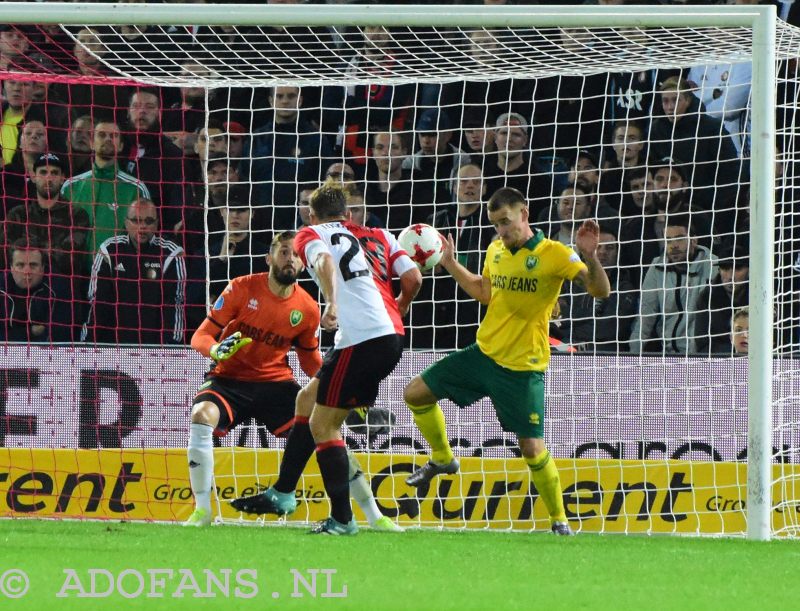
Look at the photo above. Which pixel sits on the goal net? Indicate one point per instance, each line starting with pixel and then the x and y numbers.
pixel 203 141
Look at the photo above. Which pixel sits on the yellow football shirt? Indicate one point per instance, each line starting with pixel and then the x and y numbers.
pixel 526 283
pixel 9 133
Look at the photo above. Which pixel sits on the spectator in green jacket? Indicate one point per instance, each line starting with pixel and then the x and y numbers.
pixel 105 191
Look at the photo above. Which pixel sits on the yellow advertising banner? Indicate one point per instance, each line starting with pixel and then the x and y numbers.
pixel 599 495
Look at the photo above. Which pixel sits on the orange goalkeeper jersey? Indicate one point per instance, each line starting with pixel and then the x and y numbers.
pixel 275 325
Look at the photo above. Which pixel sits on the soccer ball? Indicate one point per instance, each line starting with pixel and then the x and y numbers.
pixel 423 244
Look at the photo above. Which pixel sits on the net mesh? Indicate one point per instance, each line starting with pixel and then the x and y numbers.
pixel 227 130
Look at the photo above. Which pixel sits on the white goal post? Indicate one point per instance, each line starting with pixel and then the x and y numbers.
pixel 751 31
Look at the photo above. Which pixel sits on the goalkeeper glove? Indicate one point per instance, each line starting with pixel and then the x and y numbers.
pixel 229 346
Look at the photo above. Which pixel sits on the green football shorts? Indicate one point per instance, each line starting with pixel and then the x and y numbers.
pixel 468 375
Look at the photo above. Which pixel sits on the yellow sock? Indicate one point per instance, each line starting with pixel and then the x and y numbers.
pixel 430 422
pixel 548 483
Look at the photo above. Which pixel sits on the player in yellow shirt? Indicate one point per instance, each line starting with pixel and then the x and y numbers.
pixel 522 277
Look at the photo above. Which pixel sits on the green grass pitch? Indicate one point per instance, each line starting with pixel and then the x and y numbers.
pixel 416 570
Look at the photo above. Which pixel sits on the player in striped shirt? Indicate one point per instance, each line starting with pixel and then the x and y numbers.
pixel 353 266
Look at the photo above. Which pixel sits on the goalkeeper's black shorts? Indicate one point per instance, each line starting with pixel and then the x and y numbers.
pixel 269 403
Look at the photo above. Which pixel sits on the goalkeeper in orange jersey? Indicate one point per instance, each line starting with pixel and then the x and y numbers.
pixel 521 280
pixel 260 317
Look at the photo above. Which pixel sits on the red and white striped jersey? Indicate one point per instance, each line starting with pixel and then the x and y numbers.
pixel 366 259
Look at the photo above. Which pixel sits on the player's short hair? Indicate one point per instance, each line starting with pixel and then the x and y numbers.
pixel 329 201
pixel 279 238
pixel 506 196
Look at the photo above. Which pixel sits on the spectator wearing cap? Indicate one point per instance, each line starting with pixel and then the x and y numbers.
pixel 34 307
pixel 61 230
pixel 105 191
pixel 603 325
pixel 285 152
pixel 512 164
pixel 435 162
pixel 154 159
pixel 671 289
pixel 727 292
pixel 684 132
pixel 137 290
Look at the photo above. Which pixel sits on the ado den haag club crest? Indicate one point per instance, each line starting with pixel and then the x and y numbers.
pixel 531 262
pixel 295 317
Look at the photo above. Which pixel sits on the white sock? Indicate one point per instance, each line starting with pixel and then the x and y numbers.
pixel 361 491
pixel 201 464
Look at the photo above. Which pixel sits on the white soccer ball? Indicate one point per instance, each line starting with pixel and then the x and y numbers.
pixel 423 244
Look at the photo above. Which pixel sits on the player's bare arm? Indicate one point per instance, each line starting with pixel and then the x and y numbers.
pixel 477 286
pixel 594 279
pixel 326 272
pixel 410 283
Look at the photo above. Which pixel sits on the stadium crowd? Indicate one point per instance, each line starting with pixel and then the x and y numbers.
pixel 125 210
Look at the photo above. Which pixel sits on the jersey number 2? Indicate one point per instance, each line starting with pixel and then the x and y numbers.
pixel 347 257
